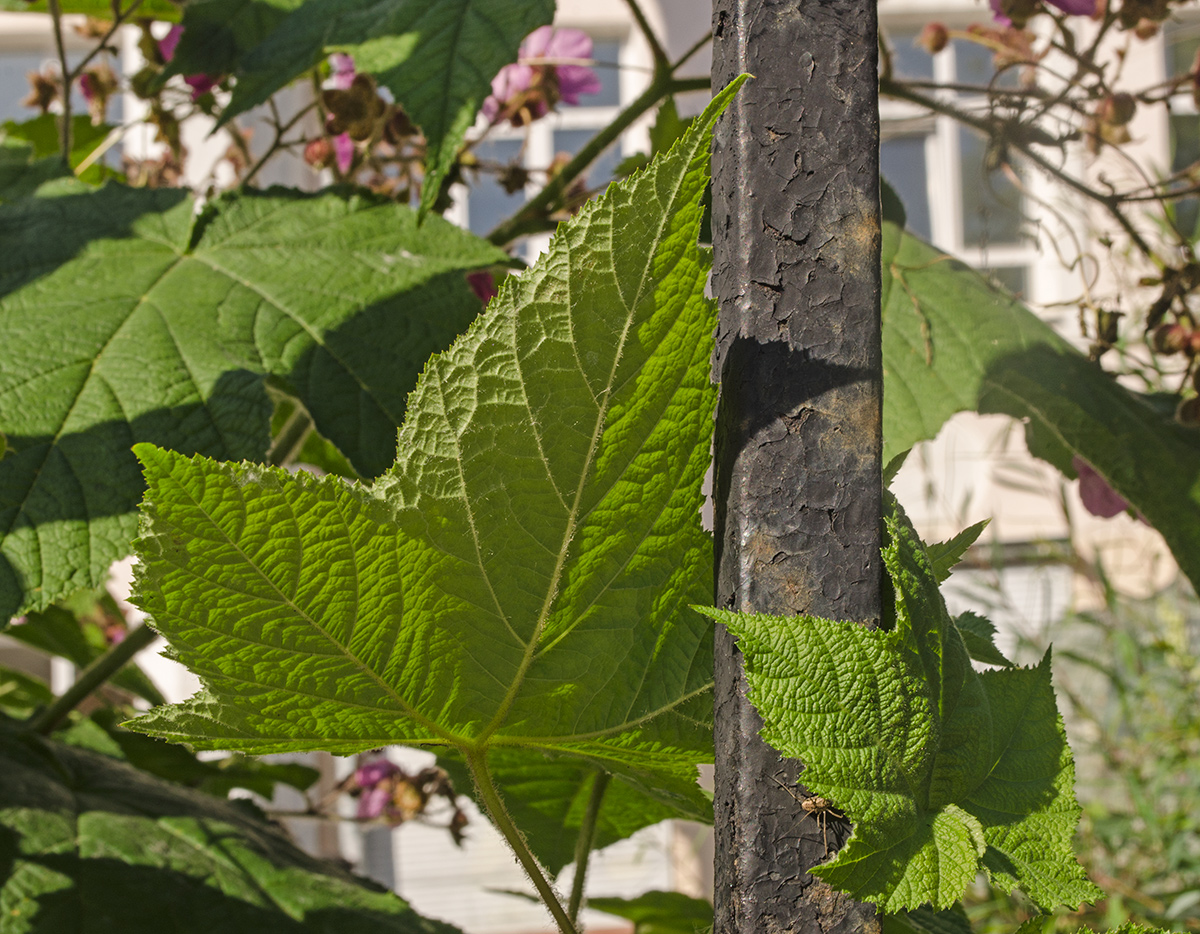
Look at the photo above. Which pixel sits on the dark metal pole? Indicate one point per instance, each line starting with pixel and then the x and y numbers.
pixel 796 270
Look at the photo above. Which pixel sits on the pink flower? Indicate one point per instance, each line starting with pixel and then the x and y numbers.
pixel 373 773
pixel 1098 497
pixel 168 43
pixel 199 83
pixel 537 81
pixel 1001 9
pixel 483 285
pixel 373 802
pixel 343 152
pixel 342 67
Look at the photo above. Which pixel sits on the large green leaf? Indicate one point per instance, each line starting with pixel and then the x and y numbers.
pixel 21 172
pixel 437 57
pixel 100 9
pixel 521 577
pixel 660 912
pixel 942 769
pixel 41 133
pixel 126 317
pixel 952 343
pixel 548 798
pixel 218 34
pixel 90 844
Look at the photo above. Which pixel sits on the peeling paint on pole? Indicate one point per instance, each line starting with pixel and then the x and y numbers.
pixel 796 270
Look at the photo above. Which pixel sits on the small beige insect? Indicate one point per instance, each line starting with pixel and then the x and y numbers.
pixel 818 808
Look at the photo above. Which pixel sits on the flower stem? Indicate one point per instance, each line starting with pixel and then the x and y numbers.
pixel 530 218
pixel 99 671
pixel 486 785
pixel 64 127
pixel 585 842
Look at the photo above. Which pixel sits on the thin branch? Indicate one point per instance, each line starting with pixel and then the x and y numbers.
pixel 64 127
pixel 118 22
pixel 486 785
pixel 662 64
pixel 584 843
pixel 1109 201
pixel 277 143
pixel 696 47
pixel 529 218
pixel 92 677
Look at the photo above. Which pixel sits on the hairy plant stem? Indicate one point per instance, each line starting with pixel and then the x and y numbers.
pixel 118 22
pixel 584 844
pixel 490 795
pixel 529 219
pixel 281 130
pixel 290 440
pixel 64 126
pixel 661 62
pixel 92 677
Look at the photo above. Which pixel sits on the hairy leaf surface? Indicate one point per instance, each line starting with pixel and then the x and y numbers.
pixel 125 317
pixel 953 343
pixel 437 57
pixel 91 844
pixel 942 769
pixel 522 575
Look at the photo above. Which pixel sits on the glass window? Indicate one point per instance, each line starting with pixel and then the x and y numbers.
pixel 1013 278
pixel 601 172
pixel 607 55
pixel 1185 151
pixel 991 203
pixel 909 60
pixel 902 163
pixel 1180 41
pixel 14 83
pixel 975 64
pixel 488 203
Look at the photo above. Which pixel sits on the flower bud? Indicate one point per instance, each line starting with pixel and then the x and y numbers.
pixel 1170 338
pixel 933 38
pixel 1117 109
pixel 1188 412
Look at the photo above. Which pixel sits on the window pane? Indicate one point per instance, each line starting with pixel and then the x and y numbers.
pixel 975 64
pixel 909 60
pixel 607 54
pixel 1180 41
pixel 1185 150
pixel 601 172
pixel 14 87
pixel 1013 278
pixel 991 204
pixel 902 163
pixel 488 203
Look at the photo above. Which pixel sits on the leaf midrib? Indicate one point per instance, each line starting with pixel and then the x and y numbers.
pixel 530 651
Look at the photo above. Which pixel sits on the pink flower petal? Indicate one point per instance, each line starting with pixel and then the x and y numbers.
pixel 1098 497
pixel 574 80
pixel 343 70
pixel 372 773
pixel 1075 7
pixel 536 43
pixel 200 84
pixel 343 152
pixel 373 803
pixel 168 43
pixel 483 285
pixel 86 89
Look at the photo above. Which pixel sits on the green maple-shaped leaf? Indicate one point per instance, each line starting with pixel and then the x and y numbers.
pixel 942 769
pixel 127 317
pixel 437 57
pixel 522 575
pixel 91 844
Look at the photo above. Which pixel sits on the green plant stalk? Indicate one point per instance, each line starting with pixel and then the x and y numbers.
pixel 64 127
pixel 486 785
pixel 585 842
pixel 92 677
pixel 291 438
pixel 527 220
